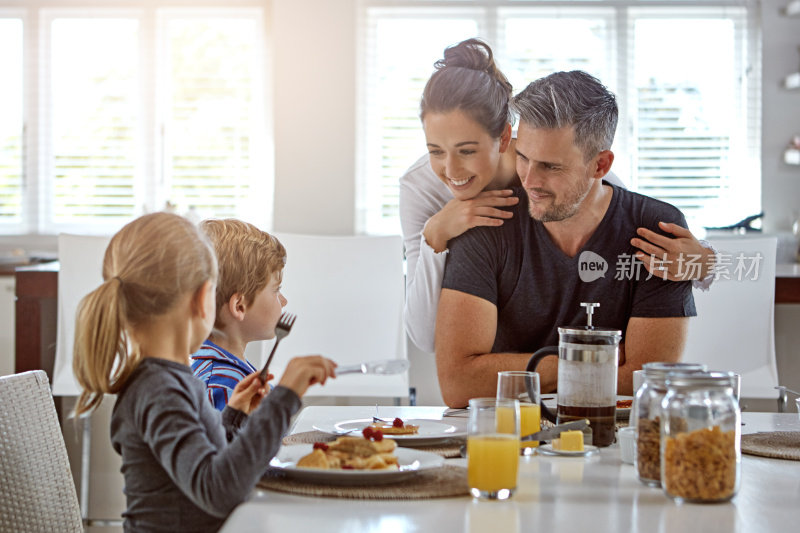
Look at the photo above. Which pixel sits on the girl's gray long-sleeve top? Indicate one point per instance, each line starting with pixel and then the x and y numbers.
pixel 180 472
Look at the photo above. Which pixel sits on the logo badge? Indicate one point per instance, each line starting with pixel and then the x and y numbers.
pixel 591 267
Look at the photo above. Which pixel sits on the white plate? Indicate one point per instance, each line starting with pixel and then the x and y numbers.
pixel 430 431
pixel 547 449
pixel 410 462
pixel 550 400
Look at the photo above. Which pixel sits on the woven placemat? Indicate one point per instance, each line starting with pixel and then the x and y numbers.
pixel 445 482
pixel 448 448
pixel 776 444
pixel 308 437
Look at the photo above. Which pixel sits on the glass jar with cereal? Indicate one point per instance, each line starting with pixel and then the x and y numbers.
pixel 700 437
pixel 646 418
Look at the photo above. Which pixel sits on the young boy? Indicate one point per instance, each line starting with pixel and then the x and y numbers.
pixel 249 303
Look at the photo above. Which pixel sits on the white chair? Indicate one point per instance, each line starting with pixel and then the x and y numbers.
pixel 37 492
pixel 734 329
pixel 347 293
pixel 80 272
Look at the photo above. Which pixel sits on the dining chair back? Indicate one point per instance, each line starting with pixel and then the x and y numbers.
pixel 80 272
pixel 37 492
pixel 347 293
pixel 734 328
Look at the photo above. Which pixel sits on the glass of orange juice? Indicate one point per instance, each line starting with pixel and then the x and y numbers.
pixel 493 447
pixel 523 386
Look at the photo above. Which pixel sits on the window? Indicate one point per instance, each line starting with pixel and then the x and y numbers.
pixel 686 79
pixel 128 111
pixel 11 123
pixel 694 138
pixel 91 161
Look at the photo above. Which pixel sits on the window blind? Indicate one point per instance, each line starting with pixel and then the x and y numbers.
pixel 531 44
pixel 94 134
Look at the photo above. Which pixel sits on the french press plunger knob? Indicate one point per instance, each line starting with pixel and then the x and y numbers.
pixel 589 311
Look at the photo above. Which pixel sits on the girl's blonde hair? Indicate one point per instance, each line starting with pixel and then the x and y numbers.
pixel 247 256
pixel 148 265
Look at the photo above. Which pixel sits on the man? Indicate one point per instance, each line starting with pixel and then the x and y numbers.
pixel 506 290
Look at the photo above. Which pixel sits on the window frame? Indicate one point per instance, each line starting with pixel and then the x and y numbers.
pixel 45 183
pixel 22 15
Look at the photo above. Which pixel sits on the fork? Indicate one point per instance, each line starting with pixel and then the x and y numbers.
pixel 284 326
pixel 376 419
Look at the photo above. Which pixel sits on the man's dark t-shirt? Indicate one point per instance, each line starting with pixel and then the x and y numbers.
pixel 537 288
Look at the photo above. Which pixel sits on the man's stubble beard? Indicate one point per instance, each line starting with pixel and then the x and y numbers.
pixel 564 210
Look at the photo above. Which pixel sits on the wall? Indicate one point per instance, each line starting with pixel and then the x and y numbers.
pixel 314 50
pixel 780 183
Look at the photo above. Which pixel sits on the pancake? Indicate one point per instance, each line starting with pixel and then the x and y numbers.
pixel 352 453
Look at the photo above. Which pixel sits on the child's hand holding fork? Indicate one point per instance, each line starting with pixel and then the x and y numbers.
pixel 248 393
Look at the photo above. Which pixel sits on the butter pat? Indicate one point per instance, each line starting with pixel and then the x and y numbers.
pixel 569 441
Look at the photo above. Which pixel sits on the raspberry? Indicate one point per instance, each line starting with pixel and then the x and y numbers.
pixel 368 432
pixel 377 435
pixel 320 446
pixel 398 423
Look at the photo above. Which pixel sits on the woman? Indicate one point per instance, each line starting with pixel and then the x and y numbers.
pixel 465 182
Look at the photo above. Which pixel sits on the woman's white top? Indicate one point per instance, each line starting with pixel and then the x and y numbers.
pixel 422 195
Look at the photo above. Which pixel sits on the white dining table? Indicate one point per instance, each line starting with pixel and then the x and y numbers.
pixel 592 494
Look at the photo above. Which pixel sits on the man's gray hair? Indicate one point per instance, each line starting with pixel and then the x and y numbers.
pixel 576 99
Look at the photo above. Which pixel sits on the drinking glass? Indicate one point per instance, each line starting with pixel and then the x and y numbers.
pixel 737 385
pixel 493 448
pixel 523 386
pixel 638 380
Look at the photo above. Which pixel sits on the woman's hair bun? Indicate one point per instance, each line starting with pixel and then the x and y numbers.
pixel 473 54
pixel 467 79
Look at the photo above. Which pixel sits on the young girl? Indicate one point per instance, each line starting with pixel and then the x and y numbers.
pixel 133 338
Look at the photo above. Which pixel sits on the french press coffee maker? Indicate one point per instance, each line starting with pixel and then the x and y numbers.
pixel 588 358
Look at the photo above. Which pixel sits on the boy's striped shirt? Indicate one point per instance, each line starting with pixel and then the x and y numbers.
pixel 220 370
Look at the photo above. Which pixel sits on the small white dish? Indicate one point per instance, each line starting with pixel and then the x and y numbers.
pixel 409 460
pixel 430 431
pixel 626 438
pixel 547 449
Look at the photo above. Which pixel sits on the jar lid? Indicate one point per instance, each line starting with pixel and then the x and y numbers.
pixel 660 370
pixel 700 379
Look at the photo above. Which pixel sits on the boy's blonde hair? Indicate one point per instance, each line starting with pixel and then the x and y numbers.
pixel 148 265
pixel 247 257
